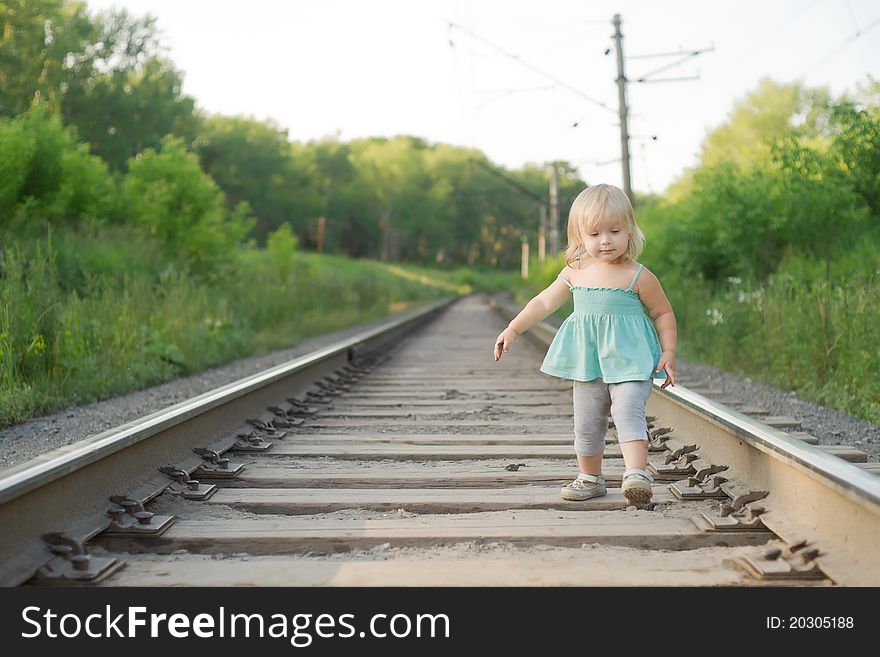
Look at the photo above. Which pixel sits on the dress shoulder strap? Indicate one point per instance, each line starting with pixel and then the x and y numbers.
pixel 636 277
pixel 570 286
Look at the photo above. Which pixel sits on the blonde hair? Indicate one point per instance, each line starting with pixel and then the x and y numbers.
pixel 593 206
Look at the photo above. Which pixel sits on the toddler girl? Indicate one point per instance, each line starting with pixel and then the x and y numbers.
pixel 621 334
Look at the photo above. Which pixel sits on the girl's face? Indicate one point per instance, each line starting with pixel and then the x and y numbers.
pixel 607 241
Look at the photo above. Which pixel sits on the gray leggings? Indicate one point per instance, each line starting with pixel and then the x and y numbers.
pixel 592 401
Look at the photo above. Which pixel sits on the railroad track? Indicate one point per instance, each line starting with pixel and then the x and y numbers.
pixel 407 456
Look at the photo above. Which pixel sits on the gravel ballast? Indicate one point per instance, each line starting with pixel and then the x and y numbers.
pixel 24 441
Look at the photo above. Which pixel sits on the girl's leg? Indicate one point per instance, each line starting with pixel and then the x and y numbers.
pixel 628 401
pixel 635 454
pixel 591 403
pixel 590 464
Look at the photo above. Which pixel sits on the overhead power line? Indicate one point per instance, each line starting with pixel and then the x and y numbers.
pixel 510 181
pixel 841 47
pixel 530 66
pixel 692 53
pixel 660 54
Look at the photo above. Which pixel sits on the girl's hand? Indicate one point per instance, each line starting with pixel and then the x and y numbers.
pixel 667 362
pixel 503 342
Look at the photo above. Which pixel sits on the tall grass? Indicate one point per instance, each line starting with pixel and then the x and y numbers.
pixel 813 327
pixel 97 314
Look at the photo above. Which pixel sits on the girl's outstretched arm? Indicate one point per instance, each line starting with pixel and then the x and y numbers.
pixel 660 311
pixel 546 303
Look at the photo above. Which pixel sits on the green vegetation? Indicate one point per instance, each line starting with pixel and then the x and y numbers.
pixel 772 261
pixel 90 315
pixel 144 239
pixel 806 328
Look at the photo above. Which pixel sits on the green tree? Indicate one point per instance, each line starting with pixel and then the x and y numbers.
pixel 390 178
pixel 329 163
pixel 252 161
pixel 798 186
pixel 455 228
pixel 167 193
pixel 47 175
pixel 126 94
pixel 856 148
pixel 40 42
pixel 772 111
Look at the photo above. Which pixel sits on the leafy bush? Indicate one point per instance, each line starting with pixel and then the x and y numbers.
pixel 167 193
pixel 47 175
pixel 17 147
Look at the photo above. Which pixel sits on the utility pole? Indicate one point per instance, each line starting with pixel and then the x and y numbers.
pixel 554 211
pixel 542 231
pixel 623 111
pixel 321 221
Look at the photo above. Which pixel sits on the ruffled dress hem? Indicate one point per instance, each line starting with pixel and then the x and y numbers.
pixel 589 376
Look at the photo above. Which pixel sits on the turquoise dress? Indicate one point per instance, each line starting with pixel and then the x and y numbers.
pixel 609 336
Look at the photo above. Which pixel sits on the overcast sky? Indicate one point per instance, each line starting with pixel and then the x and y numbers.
pixel 523 81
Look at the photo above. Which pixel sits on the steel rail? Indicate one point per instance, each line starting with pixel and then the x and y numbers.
pixel 67 490
pixel 858 485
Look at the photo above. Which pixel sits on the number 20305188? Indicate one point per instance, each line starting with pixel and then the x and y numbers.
pixel 810 622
